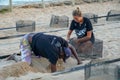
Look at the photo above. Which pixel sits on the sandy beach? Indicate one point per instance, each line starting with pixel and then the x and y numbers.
pixel 108 31
pixel 43 17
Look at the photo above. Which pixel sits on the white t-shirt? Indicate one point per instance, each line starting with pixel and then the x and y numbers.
pixel 25 49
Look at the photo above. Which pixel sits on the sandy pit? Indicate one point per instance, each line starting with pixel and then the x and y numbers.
pixel 12 69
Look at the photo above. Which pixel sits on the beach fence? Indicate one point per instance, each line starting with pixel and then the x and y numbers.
pixel 11 3
pixel 9 6
pixel 104 69
pixel 98 69
pixel 42 3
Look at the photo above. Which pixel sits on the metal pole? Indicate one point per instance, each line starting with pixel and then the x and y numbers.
pixel 43 4
pixel 10 5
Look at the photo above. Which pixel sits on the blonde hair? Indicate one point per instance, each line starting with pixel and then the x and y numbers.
pixel 77 12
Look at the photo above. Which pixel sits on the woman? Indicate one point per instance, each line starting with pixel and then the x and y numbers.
pixel 83 29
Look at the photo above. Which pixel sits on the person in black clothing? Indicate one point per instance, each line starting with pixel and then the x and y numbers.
pixel 50 47
pixel 83 29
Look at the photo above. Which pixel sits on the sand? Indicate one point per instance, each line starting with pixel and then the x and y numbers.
pixel 42 18
pixel 39 76
pixel 102 77
pixel 106 31
pixel 16 70
pixel 42 66
pixel 47 76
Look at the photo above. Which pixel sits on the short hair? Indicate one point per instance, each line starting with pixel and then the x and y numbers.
pixel 77 12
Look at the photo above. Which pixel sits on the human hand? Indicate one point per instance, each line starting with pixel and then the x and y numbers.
pixel 79 62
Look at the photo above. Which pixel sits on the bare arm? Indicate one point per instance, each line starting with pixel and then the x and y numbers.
pixel 74 53
pixel 69 34
pixel 86 38
pixel 53 67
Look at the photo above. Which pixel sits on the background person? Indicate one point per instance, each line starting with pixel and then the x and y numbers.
pixel 48 46
pixel 84 31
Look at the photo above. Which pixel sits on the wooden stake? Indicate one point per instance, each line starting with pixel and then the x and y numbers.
pixel 10 5
pixel 43 4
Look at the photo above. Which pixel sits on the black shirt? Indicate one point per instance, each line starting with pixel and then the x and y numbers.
pixel 81 29
pixel 47 46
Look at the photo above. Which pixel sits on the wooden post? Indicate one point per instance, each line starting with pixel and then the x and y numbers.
pixel 10 5
pixel 73 2
pixel 43 4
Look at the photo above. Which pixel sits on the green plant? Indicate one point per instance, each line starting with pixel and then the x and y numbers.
pixel 4 11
